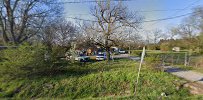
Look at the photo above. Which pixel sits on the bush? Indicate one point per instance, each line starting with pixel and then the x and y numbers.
pixel 1 56
pixel 165 47
pixel 58 52
pixel 153 63
pixel 136 52
pixel 23 60
pixel 196 61
pixel 153 47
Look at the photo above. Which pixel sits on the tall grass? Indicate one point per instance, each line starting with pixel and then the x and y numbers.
pixel 95 80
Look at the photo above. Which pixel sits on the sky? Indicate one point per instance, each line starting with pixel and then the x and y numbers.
pixel 166 8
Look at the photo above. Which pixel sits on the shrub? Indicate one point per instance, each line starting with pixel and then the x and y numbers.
pixel 136 52
pixel 22 61
pixel 58 52
pixel 153 62
pixel 1 56
pixel 165 47
pixel 153 47
pixel 196 61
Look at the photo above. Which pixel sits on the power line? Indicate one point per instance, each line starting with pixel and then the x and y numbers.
pixel 158 10
pixel 144 11
pixel 162 19
pixel 146 21
pixel 181 10
pixel 155 20
pixel 81 19
pixel 187 6
pixel 84 1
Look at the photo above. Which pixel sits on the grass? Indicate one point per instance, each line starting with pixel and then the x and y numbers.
pixel 197 63
pixel 183 67
pixel 96 81
pixel 200 70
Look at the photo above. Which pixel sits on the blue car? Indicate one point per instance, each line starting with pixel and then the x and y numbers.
pixel 101 57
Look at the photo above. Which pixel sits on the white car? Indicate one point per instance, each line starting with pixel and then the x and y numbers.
pixel 82 58
pixel 102 56
pixel 122 51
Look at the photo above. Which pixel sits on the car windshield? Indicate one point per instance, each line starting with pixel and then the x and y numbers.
pixel 81 55
pixel 100 55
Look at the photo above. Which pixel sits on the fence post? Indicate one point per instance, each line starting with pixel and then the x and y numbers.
pixel 185 59
pixel 172 59
pixel 138 75
pixel 177 60
pixel 162 57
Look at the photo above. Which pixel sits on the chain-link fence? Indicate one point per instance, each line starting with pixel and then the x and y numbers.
pixel 196 61
pixel 177 58
pixel 171 58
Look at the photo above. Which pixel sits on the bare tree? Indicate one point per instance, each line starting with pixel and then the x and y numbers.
pixel 130 39
pixel 111 20
pixel 22 19
pixel 58 32
pixel 185 31
pixel 196 20
pixel 148 37
pixel 66 33
pixel 157 34
pixel 191 26
pixel 153 36
pixel 172 32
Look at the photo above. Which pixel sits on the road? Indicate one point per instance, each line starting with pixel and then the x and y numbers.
pixel 121 56
pixel 195 79
pixel 186 74
pixel 127 56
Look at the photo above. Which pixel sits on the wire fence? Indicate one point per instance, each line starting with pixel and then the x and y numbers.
pixel 196 61
pixel 177 58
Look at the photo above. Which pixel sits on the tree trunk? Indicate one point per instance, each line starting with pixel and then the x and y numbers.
pixel 108 54
pixel 5 37
pixel 107 49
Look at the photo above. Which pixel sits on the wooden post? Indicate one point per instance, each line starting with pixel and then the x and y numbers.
pixel 185 59
pixel 172 59
pixel 177 60
pixel 188 60
pixel 138 75
pixel 129 50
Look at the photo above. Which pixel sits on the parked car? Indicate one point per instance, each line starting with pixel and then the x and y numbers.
pixel 101 57
pixel 82 58
pixel 122 51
